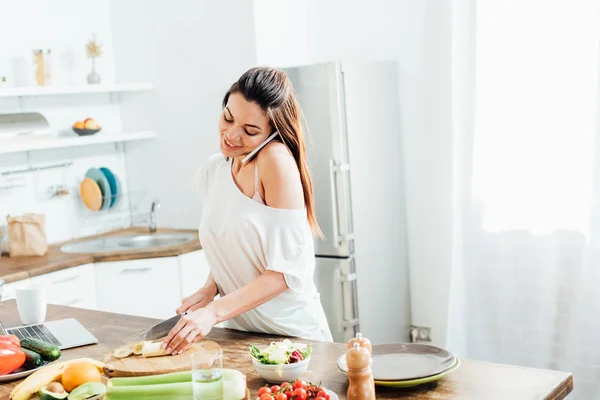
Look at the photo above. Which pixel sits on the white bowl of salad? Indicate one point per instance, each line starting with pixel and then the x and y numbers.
pixel 283 361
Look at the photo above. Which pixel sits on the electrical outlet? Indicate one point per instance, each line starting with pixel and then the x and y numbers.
pixel 420 334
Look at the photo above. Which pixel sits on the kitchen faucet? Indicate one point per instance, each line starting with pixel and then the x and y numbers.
pixel 155 205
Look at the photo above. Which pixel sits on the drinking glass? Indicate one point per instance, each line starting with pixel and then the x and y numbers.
pixel 207 374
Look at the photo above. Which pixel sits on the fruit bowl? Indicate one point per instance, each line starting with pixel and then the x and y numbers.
pixel 86 132
pixel 86 127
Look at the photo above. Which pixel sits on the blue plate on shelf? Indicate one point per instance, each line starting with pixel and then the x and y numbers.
pixel 100 178
pixel 114 185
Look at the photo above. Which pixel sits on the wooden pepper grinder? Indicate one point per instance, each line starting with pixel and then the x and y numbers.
pixel 361 386
pixel 362 341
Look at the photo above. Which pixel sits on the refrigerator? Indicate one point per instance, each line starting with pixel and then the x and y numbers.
pixel 354 151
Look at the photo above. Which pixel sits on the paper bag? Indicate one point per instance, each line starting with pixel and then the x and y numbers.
pixel 3 240
pixel 26 235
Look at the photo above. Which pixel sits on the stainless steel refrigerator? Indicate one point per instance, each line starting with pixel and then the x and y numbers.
pixel 351 113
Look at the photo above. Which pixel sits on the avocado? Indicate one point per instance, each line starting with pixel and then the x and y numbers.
pixel 46 393
pixel 87 390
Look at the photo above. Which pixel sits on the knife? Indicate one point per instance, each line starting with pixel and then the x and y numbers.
pixel 161 329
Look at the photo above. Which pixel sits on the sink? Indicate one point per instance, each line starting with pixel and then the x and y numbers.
pixel 128 242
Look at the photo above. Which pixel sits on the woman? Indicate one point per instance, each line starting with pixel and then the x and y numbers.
pixel 257 221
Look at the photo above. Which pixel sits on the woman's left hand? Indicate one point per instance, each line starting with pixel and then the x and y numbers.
pixel 191 327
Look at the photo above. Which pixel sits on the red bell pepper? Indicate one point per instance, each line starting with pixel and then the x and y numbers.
pixel 11 354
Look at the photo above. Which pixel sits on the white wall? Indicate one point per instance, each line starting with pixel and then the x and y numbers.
pixel 415 34
pixel 64 26
pixel 192 51
pixel 281 32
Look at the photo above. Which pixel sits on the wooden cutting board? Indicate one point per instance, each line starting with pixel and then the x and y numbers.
pixel 142 366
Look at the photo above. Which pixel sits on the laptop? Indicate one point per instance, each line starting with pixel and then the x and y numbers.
pixel 64 333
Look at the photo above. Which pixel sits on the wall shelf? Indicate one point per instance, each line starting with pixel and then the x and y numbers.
pixel 22 144
pixel 33 91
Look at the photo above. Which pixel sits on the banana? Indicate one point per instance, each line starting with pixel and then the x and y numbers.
pixel 42 377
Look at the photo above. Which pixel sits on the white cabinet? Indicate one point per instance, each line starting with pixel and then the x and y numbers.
pixel 147 287
pixel 73 287
pixel 194 271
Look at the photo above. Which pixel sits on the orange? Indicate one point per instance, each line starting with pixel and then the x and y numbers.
pixel 77 374
pixel 91 124
pixel 79 125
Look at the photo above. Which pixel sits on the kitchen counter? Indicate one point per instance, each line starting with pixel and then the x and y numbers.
pixel 473 380
pixel 19 268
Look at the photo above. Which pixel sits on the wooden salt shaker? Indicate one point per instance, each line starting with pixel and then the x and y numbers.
pixel 361 386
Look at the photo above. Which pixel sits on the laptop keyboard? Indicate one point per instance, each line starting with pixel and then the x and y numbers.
pixel 35 331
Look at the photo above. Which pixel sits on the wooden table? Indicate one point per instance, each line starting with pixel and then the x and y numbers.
pixel 473 380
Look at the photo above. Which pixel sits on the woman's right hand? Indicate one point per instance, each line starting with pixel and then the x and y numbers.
pixel 199 299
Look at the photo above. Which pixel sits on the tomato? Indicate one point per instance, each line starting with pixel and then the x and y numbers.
pixel 299 394
pixel 322 393
pixel 281 396
pixel 266 396
pixel 299 384
pixel 275 388
pixel 264 390
pixel 284 384
pixel 320 398
pixel 289 394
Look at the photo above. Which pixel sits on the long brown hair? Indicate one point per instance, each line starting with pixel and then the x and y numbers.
pixel 271 89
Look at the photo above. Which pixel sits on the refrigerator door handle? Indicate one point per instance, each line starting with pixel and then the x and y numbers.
pixel 341 280
pixel 334 204
pixel 333 170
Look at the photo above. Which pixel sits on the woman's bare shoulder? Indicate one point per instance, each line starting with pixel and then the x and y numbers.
pixel 280 177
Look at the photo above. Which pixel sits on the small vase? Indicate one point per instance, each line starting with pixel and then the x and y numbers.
pixel 94 77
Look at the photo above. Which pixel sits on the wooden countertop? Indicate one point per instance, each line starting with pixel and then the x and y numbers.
pixel 19 268
pixel 473 380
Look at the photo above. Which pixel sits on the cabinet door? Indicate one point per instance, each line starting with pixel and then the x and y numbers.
pixel 194 271
pixel 73 287
pixel 147 287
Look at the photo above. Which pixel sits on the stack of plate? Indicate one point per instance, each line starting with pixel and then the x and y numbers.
pixel 100 190
pixel 407 364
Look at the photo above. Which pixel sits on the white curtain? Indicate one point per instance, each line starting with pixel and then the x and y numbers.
pixel 526 268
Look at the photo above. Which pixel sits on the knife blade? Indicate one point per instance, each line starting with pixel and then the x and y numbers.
pixel 160 330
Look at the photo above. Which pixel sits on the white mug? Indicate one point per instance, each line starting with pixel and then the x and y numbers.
pixel 31 303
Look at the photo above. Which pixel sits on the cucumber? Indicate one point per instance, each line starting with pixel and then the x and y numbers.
pixel 33 359
pixel 49 352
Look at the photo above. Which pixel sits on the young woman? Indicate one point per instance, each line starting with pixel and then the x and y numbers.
pixel 258 221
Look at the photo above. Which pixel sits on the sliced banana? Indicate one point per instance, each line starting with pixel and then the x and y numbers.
pixel 123 352
pixel 137 348
pixel 153 350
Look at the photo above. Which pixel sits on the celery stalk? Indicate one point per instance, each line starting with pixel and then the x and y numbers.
pixel 126 396
pixel 180 390
pixel 173 377
pixel 166 387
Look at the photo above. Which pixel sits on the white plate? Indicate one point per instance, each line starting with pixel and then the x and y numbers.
pixel 19 374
